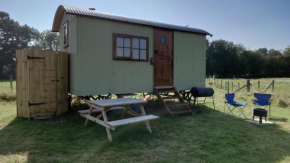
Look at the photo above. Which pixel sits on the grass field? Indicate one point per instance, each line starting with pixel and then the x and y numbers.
pixel 206 137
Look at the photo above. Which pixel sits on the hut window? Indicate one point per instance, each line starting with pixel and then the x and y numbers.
pixel 163 40
pixel 65 35
pixel 130 48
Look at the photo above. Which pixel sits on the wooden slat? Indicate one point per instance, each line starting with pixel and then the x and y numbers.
pixel 171 97
pixel 97 121
pixel 62 83
pixel 22 75
pixel 132 120
pixel 166 90
pixel 98 110
pixel 50 80
pixel 116 102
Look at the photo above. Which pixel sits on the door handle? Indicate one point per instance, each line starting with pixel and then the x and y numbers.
pixel 151 61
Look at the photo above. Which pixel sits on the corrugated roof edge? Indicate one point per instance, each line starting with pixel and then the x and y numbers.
pixel 61 10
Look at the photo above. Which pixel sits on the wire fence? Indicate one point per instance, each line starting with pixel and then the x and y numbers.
pixel 236 85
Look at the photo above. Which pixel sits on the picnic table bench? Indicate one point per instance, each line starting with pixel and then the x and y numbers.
pixel 103 106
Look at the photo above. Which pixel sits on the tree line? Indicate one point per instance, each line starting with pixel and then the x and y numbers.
pixel 15 36
pixel 225 59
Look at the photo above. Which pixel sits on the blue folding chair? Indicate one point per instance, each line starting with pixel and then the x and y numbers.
pixel 262 101
pixel 233 105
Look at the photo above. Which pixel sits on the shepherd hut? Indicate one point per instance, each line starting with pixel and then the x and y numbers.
pixel 112 54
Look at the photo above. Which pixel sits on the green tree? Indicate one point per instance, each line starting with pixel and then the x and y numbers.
pixel 251 63
pixel 273 52
pixel 47 41
pixel 13 36
pixel 263 51
pixel 222 58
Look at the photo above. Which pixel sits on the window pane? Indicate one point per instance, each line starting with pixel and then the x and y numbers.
pixel 143 54
pixel 135 43
pixel 119 52
pixel 163 40
pixel 127 42
pixel 142 44
pixel 127 52
pixel 135 53
pixel 119 42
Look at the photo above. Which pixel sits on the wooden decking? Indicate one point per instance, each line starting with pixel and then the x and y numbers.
pixel 167 106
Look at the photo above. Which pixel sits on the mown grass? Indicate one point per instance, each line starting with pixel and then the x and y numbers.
pixel 206 137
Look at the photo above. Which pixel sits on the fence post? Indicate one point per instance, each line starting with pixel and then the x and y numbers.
pixel 232 87
pixel 11 85
pixel 273 85
pixel 258 86
pixel 248 86
pixel 238 85
pixel 221 84
pixel 228 87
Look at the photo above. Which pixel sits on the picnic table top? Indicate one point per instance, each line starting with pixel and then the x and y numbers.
pixel 116 102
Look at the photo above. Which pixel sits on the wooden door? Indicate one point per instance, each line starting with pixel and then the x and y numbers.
pixel 42 82
pixel 163 54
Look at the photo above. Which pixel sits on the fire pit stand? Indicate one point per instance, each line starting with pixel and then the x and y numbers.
pixel 261 113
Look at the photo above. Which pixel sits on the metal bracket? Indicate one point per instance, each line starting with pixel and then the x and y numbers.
pixel 32 104
pixel 28 57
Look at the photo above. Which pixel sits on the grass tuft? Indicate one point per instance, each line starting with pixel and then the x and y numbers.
pixel 283 103
pixel 7 97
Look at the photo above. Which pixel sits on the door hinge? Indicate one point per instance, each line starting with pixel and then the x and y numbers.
pixel 28 57
pixel 32 104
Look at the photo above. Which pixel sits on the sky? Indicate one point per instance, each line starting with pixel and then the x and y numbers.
pixel 253 23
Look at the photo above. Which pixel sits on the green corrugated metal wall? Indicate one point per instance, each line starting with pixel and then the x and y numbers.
pixel 97 72
pixel 93 70
pixel 189 60
pixel 71 49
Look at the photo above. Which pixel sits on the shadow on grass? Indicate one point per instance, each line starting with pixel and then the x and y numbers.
pixel 279 119
pixel 206 137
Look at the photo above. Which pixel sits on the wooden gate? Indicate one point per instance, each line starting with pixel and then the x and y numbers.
pixel 41 83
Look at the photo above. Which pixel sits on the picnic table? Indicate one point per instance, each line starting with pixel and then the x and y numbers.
pixel 103 106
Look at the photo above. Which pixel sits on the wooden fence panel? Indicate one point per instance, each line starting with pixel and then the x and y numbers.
pixel 62 85
pixel 41 83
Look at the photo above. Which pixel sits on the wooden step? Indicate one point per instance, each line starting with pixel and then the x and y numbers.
pixel 181 111
pixel 165 90
pixel 132 120
pixel 158 90
pixel 99 110
pixel 176 104
pixel 171 97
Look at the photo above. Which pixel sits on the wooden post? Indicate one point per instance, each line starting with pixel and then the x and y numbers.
pixel 11 85
pixel 238 85
pixel 248 86
pixel 232 87
pixel 258 86
pixel 228 87
pixel 221 84
pixel 273 81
